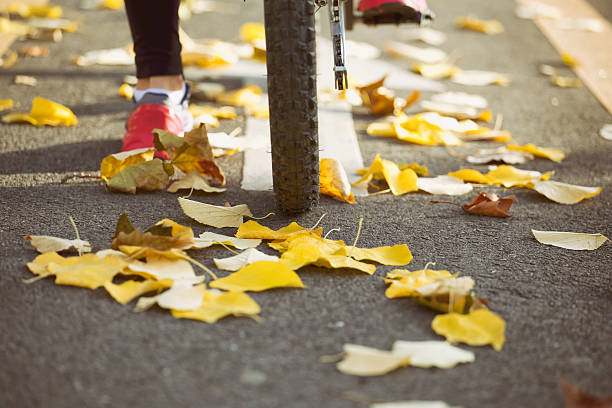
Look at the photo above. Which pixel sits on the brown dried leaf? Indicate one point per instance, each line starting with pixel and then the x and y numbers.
pixel 575 397
pixel 491 205
pixel 147 239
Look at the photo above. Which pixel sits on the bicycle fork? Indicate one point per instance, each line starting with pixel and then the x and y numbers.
pixel 336 18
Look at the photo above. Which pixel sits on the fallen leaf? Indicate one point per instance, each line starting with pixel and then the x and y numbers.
pixel 194 180
pixel 500 154
pixel 565 81
pixel 126 91
pixel 404 283
pixel 425 34
pixel 247 257
pixel 139 239
pixel 532 11
pixel 400 181
pixel 461 99
pixel 251 95
pixel 252 229
pixel 215 216
pixel 259 276
pixel 432 353
pixel 396 255
pixel 209 53
pixel 435 71
pixel 429 129
pixel 477 328
pixel 570 240
pixel 160 268
pixel 217 305
pixel 491 205
pixel 147 175
pixel 22 80
pixel 456 111
pixel 484 26
pixel 367 361
pixel 44 243
pixel 44 112
pixel 255 34
pixel 575 397
pixel 178 297
pixel 88 271
pixel 428 55
pixel 593 25
pixel 6 104
pixel 39 265
pixel 114 56
pixel 130 290
pixel 117 162
pixel 412 404
pixel 480 78
pixel 207 239
pixel 504 175
pixel 29 11
pixel 605 132
pixel 443 185
pixel 13 27
pixel 34 51
pixel 563 193
pixel 333 181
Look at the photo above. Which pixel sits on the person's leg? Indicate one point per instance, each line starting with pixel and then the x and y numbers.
pixel 161 94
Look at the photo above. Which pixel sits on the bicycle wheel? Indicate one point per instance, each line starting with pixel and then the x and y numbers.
pixel 292 94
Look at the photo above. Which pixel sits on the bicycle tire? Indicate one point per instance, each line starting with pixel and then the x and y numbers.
pixel 292 95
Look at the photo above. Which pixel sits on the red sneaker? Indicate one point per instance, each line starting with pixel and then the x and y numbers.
pixel 144 119
pixel 394 11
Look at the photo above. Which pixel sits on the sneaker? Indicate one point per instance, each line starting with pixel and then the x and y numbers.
pixel 394 11
pixel 156 111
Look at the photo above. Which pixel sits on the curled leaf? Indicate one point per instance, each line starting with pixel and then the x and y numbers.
pixel 213 215
pixel 114 163
pixel 555 155
pixel 44 243
pixel 491 205
pixel 570 240
pixel 333 181
pixel 44 112
pixel 563 193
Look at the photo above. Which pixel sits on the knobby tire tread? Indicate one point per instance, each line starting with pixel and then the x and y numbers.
pixel 292 93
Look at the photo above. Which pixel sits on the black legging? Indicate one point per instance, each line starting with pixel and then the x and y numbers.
pixel 155 30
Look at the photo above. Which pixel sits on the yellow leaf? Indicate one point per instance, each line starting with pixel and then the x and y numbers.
pixel 130 290
pixel 215 216
pixel 341 261
pixel 480 78
pixel 160 267
pixel 419 129
pixel 224 112
pixel 477 328
pixel 565 82
pixel 139 252
pixel 194 180
pixel 400 181
pixel 405 283
pixel 563 193
pixel 570 240
pixel 333 181
pixel 88 271
pixel 252 229
pixel 6 104
pixel 209 54
pixel 555 155
pixel 396 255
pixel 114 163
pixel 248 96
pixel 471 176
pixel 147 175
pixel 367 361
pixel 218 305
pixel 484 26
pixel 509 176
pixel 435 71
pixel 432 353
pixel 126 91
pixel 13 27
pixel 207 239
pixel 300 254
pixel 29 11
pixel 112 4
pixel 381 129
pixel 44 243
pixel 39 265
pixel 183 232
pixel 44 112
pixel 259 276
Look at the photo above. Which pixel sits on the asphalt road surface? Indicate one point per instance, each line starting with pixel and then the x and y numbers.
pixel 63 346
